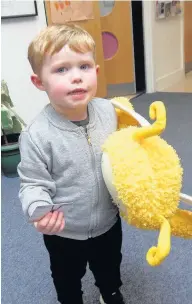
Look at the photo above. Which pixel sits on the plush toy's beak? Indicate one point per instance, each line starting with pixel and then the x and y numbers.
pixel 156 255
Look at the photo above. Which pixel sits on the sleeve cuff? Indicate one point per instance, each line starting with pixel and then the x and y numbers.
pixel 34 205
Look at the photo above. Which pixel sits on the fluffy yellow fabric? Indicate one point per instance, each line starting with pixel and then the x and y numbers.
pixel 147 176
pixel 181 223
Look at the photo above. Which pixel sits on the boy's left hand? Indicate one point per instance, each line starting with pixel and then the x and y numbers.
pixel 51 223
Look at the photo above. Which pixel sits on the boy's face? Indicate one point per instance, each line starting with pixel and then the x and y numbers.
pixel 69 78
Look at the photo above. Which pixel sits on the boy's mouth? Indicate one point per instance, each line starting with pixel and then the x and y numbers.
pixel 77 92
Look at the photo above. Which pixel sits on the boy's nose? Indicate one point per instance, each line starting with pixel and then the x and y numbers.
pixel 76 77
pixel 77 80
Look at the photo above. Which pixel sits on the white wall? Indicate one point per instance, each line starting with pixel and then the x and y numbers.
pixel 164 42
pixel 16 34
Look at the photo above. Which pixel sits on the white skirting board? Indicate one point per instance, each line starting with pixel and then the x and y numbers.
pixel 169 79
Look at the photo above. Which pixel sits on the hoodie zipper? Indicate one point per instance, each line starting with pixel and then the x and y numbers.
pixel 88 140
pixel 94 169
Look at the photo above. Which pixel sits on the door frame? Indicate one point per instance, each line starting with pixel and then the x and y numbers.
pixel 148 16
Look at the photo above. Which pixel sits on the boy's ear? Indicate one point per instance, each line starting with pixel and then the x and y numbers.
pixel 97 69
pixel 37 82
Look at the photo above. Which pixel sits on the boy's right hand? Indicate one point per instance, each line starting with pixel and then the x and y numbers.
pixel 51 223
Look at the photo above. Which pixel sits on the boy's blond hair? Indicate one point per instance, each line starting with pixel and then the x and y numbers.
pixel 53 38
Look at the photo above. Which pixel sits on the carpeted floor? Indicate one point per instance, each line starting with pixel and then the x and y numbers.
pixel 25 267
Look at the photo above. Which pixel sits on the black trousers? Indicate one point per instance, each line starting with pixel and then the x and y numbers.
pixel 69 258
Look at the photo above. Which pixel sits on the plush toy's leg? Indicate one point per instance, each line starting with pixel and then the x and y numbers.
pixel 181 224
pixel 156 111
pixel 156 255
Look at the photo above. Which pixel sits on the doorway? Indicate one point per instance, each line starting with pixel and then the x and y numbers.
pixel 138 42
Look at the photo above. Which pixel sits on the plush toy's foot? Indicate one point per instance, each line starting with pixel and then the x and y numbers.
pixel 181 224
pixel 156 255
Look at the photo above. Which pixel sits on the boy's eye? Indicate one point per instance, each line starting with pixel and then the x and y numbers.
pixel 61 70
pixel 85 66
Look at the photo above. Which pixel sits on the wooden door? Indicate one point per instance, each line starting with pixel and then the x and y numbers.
pixel 188 35
pixel 120 67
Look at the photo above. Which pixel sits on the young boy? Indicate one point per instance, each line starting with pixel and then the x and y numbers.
pixel 61 164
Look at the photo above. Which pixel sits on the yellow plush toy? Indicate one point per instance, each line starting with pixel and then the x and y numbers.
pixel 144 176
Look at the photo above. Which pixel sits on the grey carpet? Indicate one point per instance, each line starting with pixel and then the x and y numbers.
pixel 25 266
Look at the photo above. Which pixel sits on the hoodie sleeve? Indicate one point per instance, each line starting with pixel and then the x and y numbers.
pixel 37 187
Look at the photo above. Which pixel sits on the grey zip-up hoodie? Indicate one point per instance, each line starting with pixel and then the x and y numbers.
pixel 59 165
